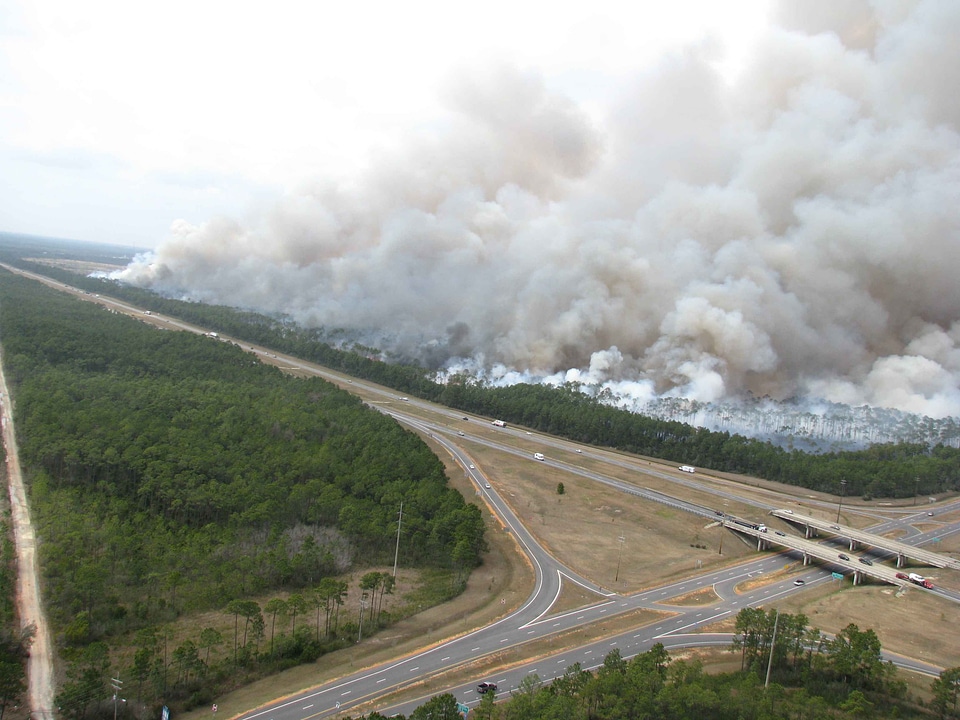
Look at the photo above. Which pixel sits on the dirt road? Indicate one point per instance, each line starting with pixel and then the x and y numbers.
pixel 40 666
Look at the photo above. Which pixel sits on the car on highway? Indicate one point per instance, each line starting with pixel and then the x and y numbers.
pixel 460 433
pixel 902 576
pixel 834 527
pixel 472 467
pixel 538 456
pixel 929 514
pixel 866 561
pixel 487 485
pixel 799 582
pixel 486 687
pixel 789 512
pixel 777 532
pixel 580 451
pixel 843 557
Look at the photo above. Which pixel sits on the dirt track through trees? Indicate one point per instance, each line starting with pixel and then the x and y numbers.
pixel 40 665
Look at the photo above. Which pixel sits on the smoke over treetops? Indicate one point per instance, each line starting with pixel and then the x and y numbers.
pixel 795 232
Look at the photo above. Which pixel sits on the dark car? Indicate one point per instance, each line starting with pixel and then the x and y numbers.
pixel 902 576
pixel 843 557
pixel 486 687
pixel 866 561
pixel 777 532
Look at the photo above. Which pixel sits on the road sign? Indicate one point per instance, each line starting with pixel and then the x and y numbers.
pixel 462 709
pixel 837 576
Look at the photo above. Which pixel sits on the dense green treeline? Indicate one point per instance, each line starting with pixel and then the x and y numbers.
pixel 812 677
pixel 899 470
pixel 173 472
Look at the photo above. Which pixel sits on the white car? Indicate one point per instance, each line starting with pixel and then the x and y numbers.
pixel 487 485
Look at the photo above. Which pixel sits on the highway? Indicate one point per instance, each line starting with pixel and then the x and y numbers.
pixel 857 566
pixel 856 537
pixel 532 621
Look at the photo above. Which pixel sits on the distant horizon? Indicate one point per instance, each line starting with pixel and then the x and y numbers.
pixel 15 234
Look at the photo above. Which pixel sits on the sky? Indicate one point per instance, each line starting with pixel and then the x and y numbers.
pixel 690 199
pixel 119 119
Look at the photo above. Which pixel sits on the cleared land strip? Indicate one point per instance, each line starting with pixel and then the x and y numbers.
pixel 40 665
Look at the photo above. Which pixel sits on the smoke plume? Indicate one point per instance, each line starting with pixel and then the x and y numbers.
pixel 795 232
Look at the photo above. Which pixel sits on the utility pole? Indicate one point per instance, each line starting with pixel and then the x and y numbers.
pixel 396 552
pixel 773 641
pixel 363 602
pixel 916 489
pixel 843 487
pixel 619 555
pixel 116 683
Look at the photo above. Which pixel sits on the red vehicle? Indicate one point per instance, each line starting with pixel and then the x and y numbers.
pixel 920 580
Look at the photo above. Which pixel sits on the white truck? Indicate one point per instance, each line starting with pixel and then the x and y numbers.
pixel 920 580
pixel 499 423
pixel 687 468
pixel 538 456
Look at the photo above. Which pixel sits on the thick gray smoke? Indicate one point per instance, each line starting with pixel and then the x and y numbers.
pixel 796 233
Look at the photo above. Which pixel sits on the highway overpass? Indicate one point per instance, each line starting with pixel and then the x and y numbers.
pixel 813 526
pixel 808 549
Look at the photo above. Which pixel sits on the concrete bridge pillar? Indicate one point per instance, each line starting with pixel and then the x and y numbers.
pixel 806 559
pixel 806 531
pixel 900 559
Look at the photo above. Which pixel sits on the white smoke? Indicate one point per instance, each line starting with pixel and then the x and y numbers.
pixel 794 233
